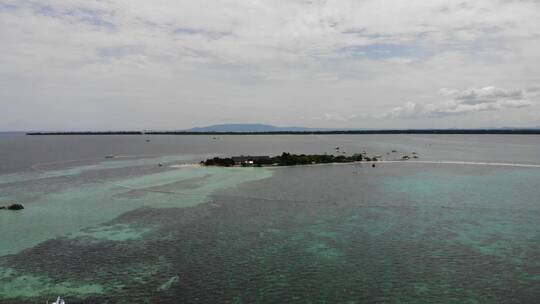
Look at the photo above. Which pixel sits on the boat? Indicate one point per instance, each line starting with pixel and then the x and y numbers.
pixel 110 156
pixel 59 301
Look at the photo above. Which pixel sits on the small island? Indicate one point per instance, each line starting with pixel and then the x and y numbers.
pixel 14 206
pixel 286 159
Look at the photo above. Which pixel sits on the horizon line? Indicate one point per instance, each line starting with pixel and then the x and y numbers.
pixel 505 130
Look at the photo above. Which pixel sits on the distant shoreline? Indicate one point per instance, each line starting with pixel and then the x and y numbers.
pixel 342 132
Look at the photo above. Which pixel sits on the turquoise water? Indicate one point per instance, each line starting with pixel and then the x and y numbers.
pixel 74 207
pixel 41 171
pixel 495 213
pixel 128 231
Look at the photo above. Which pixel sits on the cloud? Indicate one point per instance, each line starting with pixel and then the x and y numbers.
pixel 207 33
pixel 276 37
pixel 336 117
pixel 169 61
pixel 383 51
pixel 465 102
pixel 119 52
pixel 92 16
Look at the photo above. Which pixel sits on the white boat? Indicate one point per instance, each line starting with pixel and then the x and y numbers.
pixel 59 301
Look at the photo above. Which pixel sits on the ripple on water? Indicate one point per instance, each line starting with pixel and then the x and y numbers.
pixel 373 241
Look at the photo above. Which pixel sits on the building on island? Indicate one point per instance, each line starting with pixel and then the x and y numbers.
pixel 239 160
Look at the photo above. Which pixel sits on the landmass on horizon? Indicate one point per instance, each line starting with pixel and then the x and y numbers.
pixel 246 129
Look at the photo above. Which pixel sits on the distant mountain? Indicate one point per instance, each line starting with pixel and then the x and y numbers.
pixel 249 128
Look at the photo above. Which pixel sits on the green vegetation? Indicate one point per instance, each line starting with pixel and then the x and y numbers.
pixel 217 161
pixel 287 159
pixel 13 207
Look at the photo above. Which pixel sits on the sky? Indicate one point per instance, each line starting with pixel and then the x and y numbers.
pixel 176 64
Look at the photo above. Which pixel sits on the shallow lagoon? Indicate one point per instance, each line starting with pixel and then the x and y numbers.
pixel 336 233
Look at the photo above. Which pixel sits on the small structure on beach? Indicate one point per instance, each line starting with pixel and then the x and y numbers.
pixel 239 160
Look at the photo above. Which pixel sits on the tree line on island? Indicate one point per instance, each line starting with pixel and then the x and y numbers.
pixel 524 131
pixel 285 159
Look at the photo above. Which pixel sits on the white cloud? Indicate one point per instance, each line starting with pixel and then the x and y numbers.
pixel 465 102
pixel 336 117
pixel 169 61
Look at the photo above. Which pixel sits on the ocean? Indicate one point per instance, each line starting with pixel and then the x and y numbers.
pixel 458 225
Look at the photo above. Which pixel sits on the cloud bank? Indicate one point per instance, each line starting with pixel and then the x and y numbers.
pixel 80 64
pixel 465 102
